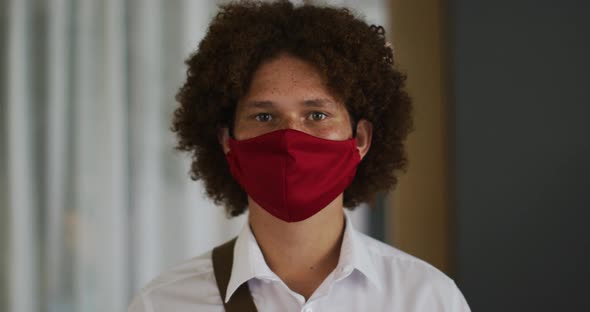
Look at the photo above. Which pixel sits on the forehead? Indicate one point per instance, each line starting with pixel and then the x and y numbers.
pixel 286 66
pixel 286 78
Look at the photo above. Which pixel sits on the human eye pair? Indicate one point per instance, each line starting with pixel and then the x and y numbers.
pixel 315 116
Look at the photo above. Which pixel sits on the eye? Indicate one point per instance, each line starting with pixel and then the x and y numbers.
pixel 263 117
pixel 317 116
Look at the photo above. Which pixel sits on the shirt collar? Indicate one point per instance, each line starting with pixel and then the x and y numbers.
pixel 354 254
pixel 248 261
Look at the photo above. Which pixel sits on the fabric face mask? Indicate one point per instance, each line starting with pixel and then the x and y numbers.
pixel 291 174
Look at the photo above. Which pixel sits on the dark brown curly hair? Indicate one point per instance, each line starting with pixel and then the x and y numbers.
pixel 353 58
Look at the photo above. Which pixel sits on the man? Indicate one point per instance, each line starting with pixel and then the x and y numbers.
pixel 294 113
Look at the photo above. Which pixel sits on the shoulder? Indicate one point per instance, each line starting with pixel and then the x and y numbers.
pixel 412 277
pixel 190 283
pixel 392 258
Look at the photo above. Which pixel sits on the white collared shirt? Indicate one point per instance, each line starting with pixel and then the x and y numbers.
pixel 370 276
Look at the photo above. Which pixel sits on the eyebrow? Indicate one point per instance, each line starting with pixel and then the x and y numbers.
pixel 321 103
pixel 317 103
pixel 258 104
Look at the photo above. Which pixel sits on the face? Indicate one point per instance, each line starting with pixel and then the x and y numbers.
pixel 289 93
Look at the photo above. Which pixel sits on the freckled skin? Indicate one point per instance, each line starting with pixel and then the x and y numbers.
pixel 287 82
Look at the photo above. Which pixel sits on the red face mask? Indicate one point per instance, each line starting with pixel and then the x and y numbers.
pixel 291 174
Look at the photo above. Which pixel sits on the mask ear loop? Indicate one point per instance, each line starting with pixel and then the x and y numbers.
pixel 231 130
pixel 230 123
pixel 353 124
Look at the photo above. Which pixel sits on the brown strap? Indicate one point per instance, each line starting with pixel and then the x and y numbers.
pixel 241 300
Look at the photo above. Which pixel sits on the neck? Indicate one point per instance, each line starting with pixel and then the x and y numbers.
pixel 301 253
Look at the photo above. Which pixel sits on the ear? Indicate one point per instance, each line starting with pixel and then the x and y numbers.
pixel 364 135
pixel 223 138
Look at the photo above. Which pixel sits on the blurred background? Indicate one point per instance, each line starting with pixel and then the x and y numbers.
pixel 95 202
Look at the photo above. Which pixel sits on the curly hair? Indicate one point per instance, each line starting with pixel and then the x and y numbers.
pixel 352 57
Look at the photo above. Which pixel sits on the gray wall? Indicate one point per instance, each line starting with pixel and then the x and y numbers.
pixel 521 82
